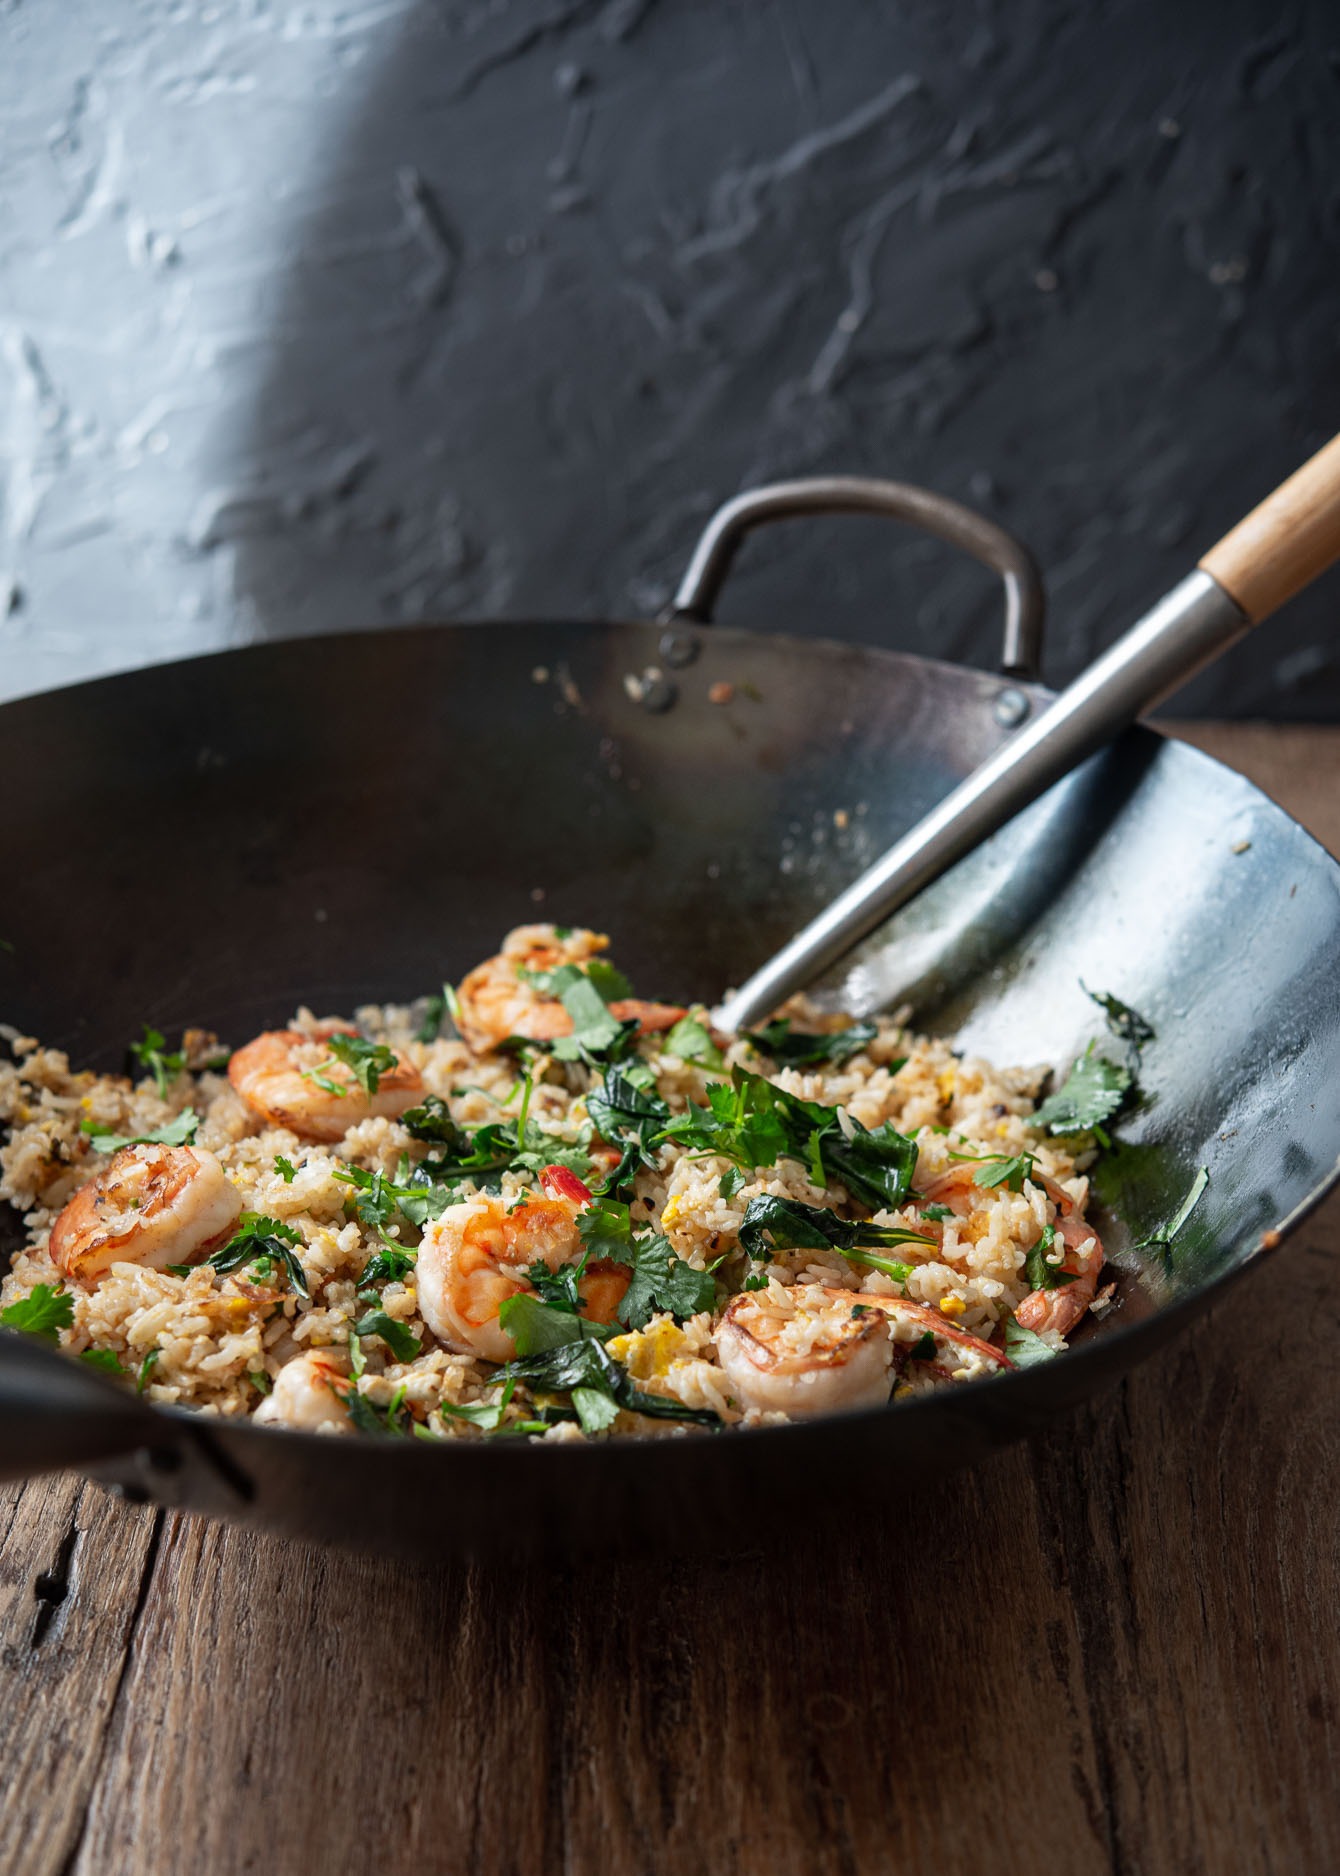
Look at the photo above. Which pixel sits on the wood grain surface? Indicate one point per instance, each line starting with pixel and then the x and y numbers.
pixel 1113 1650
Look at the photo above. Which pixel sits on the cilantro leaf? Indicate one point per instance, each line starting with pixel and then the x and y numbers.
pixel 486 1415
pixel 755 1123
pixel 388 1265
pixel 431 1120
pixel 730 1182
pixel 692 1041
pixel 1041 1274
pixel 261 1237
pixel 367 1061
pixel 436 1009
pixel 393 1420
pixel 401 1341
pixel 102 1358
pixel 287 1171
pixel 44 1311
pixel 537 1327
pixel 180 1131
pixel 661 1280
pixel 146 1369
pixel 801 1048
pixel 596 1032
pixel 1126 1024
pixel 1163 1237
pixel 611 983
pixel 1000 1169
pixel 923 1349
pixel 1023 1347
pixel 152 1053
pixel 1092 1092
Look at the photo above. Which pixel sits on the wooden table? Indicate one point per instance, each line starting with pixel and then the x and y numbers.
pixel 1116 1649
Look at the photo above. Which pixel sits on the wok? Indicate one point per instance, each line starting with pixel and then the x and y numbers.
pixel 355 818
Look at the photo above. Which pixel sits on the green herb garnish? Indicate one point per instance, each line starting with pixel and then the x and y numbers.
pixel 179 1131
pixel 1041 1274
pixel 403 1344
pixel 103 1359
pixel 796 1227
pixel 287 1171
pixel 692 1041
pixel 257 1237
pixel 44 1311
pixel 802 1048
pixel 147 1367
pixel 366 1061
pixel 1002 1170
pixel 1092 1092
pixel 1023 1347
pixel 152 1054
pixel 1125 1023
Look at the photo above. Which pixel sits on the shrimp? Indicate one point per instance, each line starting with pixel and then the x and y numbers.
pixel 1060 1309
pixel 824 1349
pixel 308 1394
pixel 476 1254
pixel 496 1001
pixel 154 1205
pixel 276 1075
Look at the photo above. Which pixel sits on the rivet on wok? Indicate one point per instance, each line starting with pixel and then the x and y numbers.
pixel 679 648
pixel 1010 708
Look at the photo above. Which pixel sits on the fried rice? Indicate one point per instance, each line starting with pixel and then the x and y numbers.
pixel 330 1273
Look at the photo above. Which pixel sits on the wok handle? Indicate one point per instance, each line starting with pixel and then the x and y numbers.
pixel 1292 537
pixel 934 514
pixel 1285 542
pixel 56 1413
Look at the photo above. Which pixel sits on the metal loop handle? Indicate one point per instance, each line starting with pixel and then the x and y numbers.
pixel 950 521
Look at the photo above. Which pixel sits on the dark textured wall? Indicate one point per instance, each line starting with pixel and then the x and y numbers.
pixel 316 314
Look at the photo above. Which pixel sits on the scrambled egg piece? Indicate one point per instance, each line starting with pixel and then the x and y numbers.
pixel 649 1353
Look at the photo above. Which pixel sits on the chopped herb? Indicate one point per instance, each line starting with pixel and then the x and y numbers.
pixel 999 1170
pixel 889 1265
pixel 731 1181
pixel 44 1311
pixel 923 1349
pixel 258 1236
pixel 753 1122
pixel 1125 1023
pixel 366 1061
pixel 620 1111
pixel 389 1265
pixel 558 1288
pixel 800 1048
pixel 287 1171
pixel 796 1227
pixel 596 1410
pixel 587 1365
pixel 179 1270
pixel 757 1282
pixel 938 1212
pixel 379 1201
pixel 537 1327
pixel 393 1419
pixel 435 1012
pixel 486 1415
pixel 1163 1237
pixel 661 1280
pixel 431 1120
pixel 263 1268
pixel 1023 1347
pixel 152 1054
pixel 180 1131
pixel 692 1041
pixel 403 1344
pixel 102 1358
pixel 1041 1274
pixel 611 983
pixel 1092 1092
pixel 147 1367
pixel 260 1380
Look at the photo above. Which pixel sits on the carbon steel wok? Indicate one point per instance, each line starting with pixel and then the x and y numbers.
pixel 354 818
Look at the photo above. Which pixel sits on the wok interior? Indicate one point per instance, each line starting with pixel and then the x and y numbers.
pixel 356 819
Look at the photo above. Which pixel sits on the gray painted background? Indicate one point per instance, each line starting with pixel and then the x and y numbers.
pixel 313 315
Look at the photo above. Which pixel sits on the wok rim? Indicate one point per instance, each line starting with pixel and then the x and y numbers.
pixel 1164 1320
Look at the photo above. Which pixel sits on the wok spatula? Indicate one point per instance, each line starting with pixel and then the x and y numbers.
pixel 1280 547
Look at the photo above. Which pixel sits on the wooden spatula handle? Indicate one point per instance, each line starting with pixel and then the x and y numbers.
pixel 1283 544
